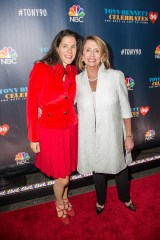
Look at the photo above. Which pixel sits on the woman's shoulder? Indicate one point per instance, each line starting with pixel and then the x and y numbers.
pixel 79 76
pixel 74 69
pixel 40 66
pixel 114 72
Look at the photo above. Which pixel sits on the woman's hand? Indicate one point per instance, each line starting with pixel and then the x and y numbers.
pixel 35 147
pixel 129 144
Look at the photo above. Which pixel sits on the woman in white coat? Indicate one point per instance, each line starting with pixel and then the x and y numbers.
pixel 105 136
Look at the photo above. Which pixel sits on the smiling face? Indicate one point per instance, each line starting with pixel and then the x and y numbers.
pixel 91 54
pixel 67 50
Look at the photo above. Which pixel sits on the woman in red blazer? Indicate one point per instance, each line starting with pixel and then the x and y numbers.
pixel 53 135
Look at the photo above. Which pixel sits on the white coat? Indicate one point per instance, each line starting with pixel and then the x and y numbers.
pixel 101 127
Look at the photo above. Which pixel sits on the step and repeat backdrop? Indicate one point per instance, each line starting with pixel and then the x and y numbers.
pixel 131 29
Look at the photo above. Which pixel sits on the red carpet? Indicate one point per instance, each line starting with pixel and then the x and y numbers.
pixel 115 223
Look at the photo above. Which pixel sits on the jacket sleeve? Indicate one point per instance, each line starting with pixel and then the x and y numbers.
pixel 34 91
pixel 123 97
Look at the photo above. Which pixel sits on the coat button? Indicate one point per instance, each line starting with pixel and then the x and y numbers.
pixel 65 112
pixel 66 97
pixel 49 114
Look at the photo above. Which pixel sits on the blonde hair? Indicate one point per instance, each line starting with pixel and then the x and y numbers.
pixel 104 51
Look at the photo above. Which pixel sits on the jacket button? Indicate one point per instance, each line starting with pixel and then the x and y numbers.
pixel 49 114
pixel 66 97
pixel 65 112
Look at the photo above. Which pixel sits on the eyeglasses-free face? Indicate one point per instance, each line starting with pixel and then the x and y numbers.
pixel 67 50
pixel 91 54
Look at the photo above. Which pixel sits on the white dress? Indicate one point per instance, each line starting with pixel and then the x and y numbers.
pixel 100 146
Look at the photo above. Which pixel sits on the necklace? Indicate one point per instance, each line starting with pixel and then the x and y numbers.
pixel 91 80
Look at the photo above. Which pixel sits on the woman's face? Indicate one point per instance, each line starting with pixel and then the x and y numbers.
pixel 67 50
pixel 91 54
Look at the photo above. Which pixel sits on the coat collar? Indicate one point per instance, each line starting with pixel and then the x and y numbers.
pixel 59 68
pixel 102 68
pixel 60 71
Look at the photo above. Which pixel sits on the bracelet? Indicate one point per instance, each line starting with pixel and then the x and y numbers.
pixel 130 136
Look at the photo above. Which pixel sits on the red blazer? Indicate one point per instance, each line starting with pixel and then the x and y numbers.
pixel 46 90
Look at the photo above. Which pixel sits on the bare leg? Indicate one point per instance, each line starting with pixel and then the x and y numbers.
pixel 65 194
pixel 67 205
pixel 59 189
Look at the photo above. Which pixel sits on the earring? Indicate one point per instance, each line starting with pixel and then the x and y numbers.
pixel 83 62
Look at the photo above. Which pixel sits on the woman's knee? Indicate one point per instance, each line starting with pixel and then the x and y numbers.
pixel 63 181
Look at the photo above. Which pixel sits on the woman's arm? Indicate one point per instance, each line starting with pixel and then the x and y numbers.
pixel 34 91
pixel 129 144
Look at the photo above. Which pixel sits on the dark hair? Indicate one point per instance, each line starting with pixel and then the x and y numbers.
pixel 52 56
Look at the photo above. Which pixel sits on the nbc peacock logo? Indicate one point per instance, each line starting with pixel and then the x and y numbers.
pixel 22 158
pixel 157 52
pixel 8 55
pixel 76 14
pixel 130 83
pixel 150 134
